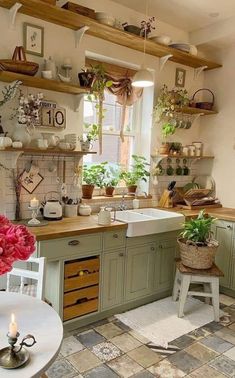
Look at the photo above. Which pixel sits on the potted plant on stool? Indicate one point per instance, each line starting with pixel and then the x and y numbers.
pixel 197 247
pixel 138 172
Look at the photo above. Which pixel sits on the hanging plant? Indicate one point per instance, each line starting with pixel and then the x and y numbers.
pixel 100 83
pixel 168 104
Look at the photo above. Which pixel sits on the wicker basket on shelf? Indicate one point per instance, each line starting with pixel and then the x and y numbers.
pixel 206 105
pixel 19 64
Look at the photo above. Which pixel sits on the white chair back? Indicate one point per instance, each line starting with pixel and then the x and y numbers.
pixel 25 274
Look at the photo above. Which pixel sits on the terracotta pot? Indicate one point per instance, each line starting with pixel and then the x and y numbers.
pixel 109 191
pixel 164 149
pixel 87 191
pixel 132 188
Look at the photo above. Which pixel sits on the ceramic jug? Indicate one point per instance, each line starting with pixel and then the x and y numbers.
pixel 104 216
pixel 50 65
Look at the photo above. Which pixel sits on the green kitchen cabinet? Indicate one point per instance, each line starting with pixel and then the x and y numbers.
pixel 112 279
pixel 164 264
pixel 139 271
pixel 232 269
pixel 223 232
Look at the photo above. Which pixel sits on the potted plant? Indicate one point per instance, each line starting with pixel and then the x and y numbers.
pixel 197 247
pixel 93 175
pixel 138 172
pixel 86 77
pixel 88 137
pixel 112 177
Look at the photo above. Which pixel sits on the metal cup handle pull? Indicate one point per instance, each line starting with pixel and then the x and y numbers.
pixel 23 342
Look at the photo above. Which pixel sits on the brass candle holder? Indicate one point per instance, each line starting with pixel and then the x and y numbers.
pixel 13 356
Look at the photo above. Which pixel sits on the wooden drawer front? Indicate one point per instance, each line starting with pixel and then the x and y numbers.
pixel 80 309
pixel 74 283
pixel 79 296
pixel 71 246
pixel 73 268
pixel 114 239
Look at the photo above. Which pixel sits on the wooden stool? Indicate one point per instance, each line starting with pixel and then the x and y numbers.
pixel 208 277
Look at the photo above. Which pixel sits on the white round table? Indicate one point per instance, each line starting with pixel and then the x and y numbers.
pixel 32 317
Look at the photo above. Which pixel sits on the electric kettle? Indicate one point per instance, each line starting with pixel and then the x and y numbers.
pixel 52 209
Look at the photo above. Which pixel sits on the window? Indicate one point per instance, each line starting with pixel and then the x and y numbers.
pixel 115 151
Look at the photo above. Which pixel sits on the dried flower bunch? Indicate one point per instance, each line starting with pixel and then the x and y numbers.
pixel 9 92
pixel 16 243
pixel 28 110
pixel 147 26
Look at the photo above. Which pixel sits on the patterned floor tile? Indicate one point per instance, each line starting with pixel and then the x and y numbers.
pixel 232 326
pixel 144 356
pixel 199 334
pixel 206 371
pixel 139 337
pixel 125 342
pixel 102 371
pixel 183 341
pixel 230 353
pixel 226 334
pixel 225 320
pixel 61 369
pixel 90 338
pixel 109 330
pixel 224 299
pixel 125 366
pixel 70 345
pixel 143 374
pixel 224 365
pixel 212 327
pixel 106 351
pixel 84 360
pixel 184 361
pixel 165 369
pixel 201 352
pixel 217 344
pixel 231 312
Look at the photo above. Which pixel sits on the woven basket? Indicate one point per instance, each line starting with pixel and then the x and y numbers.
pixel 19 64
pixel 197 257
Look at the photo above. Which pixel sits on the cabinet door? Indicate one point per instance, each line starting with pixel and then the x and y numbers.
pixel 139 271
pixel 164 265
pixel 232 270
pixel 112 279
pixel 223 233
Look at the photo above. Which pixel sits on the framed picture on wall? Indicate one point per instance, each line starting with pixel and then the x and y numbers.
pixel 180 75
pixel 30 181
pixel 33 37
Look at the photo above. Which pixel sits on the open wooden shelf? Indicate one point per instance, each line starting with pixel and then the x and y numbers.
pixel 71 20
pixel 190 110
pixel 204 157
pixel 38 82
pixel 36 151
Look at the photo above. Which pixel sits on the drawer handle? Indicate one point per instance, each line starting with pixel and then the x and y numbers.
pixel 121 254
pixel 115 236
pixel 73 242
pixel 229 227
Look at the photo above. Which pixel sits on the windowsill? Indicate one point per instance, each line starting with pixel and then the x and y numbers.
pixel 115 198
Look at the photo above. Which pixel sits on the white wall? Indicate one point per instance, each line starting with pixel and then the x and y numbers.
pixel 218 132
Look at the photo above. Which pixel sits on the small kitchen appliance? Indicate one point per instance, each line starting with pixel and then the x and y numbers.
pixel 52 208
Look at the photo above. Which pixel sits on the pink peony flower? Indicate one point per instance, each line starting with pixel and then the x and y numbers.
pixel 16 243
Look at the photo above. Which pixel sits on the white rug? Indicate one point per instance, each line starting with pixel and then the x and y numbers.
pixel 159 323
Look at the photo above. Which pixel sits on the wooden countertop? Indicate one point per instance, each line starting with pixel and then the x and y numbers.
pixel 73 226
pixel 223 213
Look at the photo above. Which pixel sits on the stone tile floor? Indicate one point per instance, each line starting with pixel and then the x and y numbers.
pixel 110 349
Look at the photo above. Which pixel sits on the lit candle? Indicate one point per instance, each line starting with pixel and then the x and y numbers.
pixel 13 327
pixel 34 203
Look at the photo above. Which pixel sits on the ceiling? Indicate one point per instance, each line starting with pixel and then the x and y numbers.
pixel 188 15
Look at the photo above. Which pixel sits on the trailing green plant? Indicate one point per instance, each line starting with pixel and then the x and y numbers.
pixel 138 171
pixel 198 231
pixel 92 133
pixel 168 104
pixel 94 174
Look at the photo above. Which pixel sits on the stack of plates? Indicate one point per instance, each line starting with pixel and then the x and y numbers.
pixel 186 47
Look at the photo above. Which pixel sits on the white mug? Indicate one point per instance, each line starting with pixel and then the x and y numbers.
pixel 42 144
pixel 52 139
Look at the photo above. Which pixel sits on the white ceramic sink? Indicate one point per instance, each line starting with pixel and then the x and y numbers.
pixel 150 221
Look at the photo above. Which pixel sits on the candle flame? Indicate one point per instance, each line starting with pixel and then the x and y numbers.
pixel 13 318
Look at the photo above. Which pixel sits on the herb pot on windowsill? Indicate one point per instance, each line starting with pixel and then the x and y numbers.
pixel 109 191
pixel 132 188
pixel 87 191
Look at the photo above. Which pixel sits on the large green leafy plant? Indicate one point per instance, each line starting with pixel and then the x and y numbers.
pixel 94 174
pixel 198 231
pixel 138 171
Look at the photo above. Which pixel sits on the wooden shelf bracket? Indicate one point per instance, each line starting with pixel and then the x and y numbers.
pixel 198 71
pixel 79 35
pixel 163 61
pixel 12 14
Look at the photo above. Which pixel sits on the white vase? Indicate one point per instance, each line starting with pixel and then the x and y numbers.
pixel 21 134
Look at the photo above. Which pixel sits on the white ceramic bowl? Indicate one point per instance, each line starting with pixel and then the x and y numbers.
pixel 162 39
pixel 105 18
pixel 193 50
